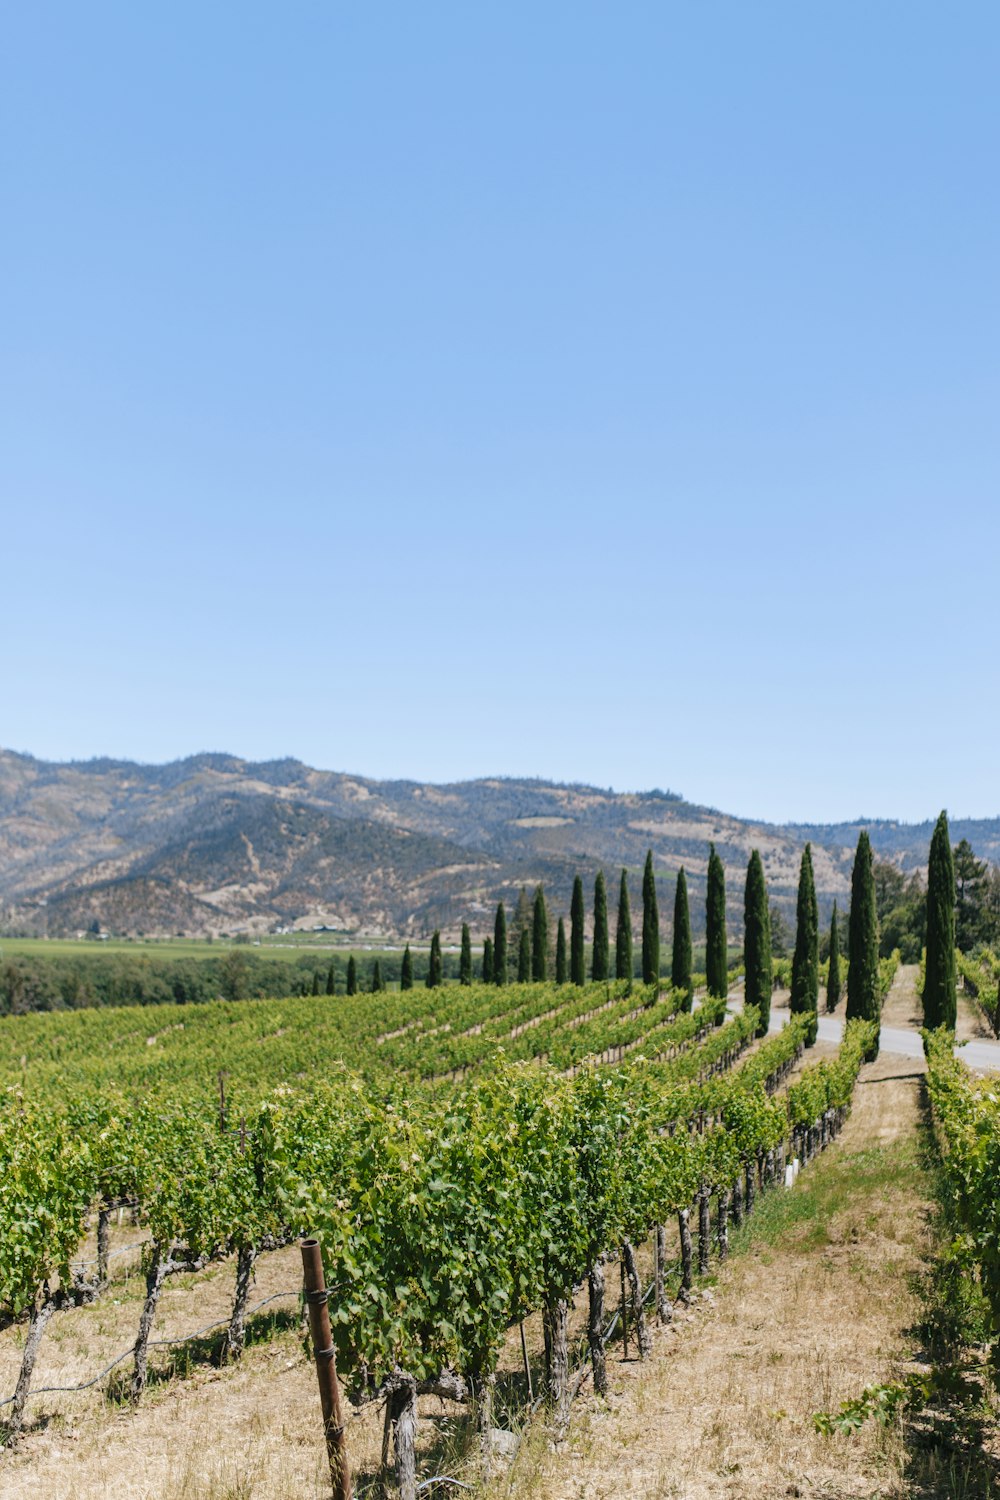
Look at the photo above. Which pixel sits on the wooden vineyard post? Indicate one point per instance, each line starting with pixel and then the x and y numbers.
pixel 326 1368
pixel 623 1305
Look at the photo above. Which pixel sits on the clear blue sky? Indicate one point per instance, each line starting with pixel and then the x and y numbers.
pixel 604 392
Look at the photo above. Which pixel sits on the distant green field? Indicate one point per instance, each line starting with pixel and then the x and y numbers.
pixel 285 946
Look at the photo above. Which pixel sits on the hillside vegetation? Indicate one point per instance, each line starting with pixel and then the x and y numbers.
pixel 214 844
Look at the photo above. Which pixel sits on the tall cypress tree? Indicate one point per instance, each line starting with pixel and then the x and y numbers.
pixel 577 966
pixel 406 972
pixel 487 960
pixel 716 958
pixel 500 947
pixel 378 983
pixel 524 957
pixel 623 933
pixel 650 925
pixel 833 977
pixel 331 980
pixel 539 939
pixel 757 942
pixel 862 971
pixel 518 922
pixel 805 961
pixel 465 958
pixel 940 1001
pixel 681 961
pixel 315 983
pixel 561 972
pixel 352 976
pixel 434 968
pixel 599 963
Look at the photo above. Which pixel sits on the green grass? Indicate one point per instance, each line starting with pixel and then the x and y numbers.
pixel 285 946
pixel 831 1185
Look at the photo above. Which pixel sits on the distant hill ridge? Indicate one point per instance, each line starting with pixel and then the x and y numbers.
pixel 216 844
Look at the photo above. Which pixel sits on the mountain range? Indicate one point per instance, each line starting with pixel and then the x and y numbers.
pixel 215 844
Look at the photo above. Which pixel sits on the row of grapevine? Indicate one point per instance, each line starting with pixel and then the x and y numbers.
pixel 444 1216
pixel 966 1115
pixel 981 982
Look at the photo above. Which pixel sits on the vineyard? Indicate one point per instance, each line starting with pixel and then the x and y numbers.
pixel 468 1157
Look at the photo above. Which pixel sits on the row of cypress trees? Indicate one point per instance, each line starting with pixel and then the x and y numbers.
pixel 863 998
pixel 570 957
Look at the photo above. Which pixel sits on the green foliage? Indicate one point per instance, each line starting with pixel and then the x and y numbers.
pixel 883 1403
pixel 780 936
pixel 500 947
pixel 465 958
pixel 524 957
pixel 435 974
pixel 833 972
pixel 940 998
pixel 577 965
pixel 650 924
pixel 757 942
pixel 863 998
pixel 562 971
pixel 378 983
pixel 406 976
pixel 901 909
pixel 600 962
pixel 539 938
pixel 972 923
pixel 331 980
pixel 681 960
pixel 716 966
pixel 623 932
pixel 352 976
pixel 487 960
pixel 449 1210
pixel 805 961
pixel 966 1115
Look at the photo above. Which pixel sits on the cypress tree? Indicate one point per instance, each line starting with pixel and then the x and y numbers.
pixel 577 967
pixel 378 983
pixel 406 973
pixel 352 976
pixel 524 957
pixel 623 934
pixel 539 939
pixel 805 961
pixel 681 962
pixel 757 942
pixel 465 959
pixel 650 925
pixel 833 977
pixel 862 971
pixel 521 919
pixel 487 960
pixel 940 1001
pixel 331 980
pixel 500 947
pixel 716 958
pixel 434 969
pixel 561 974
pixel 599 966
pixel 315 984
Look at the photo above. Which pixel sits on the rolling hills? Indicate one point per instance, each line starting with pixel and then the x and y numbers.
pixel 215 844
